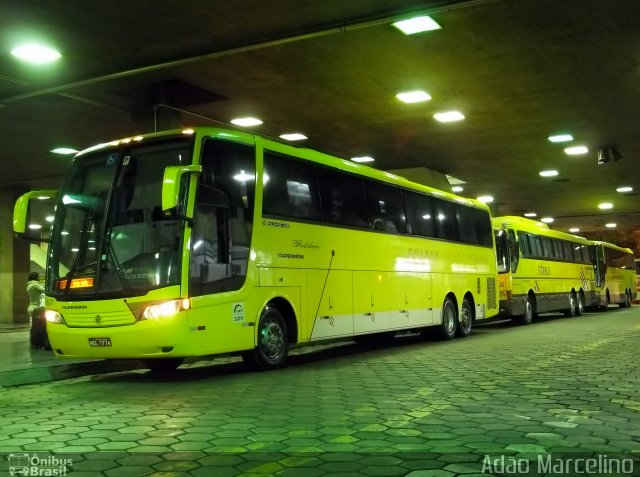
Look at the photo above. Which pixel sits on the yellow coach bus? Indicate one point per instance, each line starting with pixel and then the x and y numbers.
pixel 541 270
pixel 615 275
pixel 211 241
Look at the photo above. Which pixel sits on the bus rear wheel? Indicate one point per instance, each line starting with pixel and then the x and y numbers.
pixel 571 311
pixel 273 344
pixel 447 329
pixel 527 317
pixel 163 365
pixel 465 322
pixel 627 300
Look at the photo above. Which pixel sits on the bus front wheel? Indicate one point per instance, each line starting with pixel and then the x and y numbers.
pixel 272 344
pixel 447 329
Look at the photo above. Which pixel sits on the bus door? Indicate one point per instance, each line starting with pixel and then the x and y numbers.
pixel 599 266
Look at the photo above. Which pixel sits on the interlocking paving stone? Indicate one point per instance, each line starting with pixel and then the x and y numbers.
pixel 405 408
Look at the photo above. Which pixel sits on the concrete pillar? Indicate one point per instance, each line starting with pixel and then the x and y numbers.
pixel 14 263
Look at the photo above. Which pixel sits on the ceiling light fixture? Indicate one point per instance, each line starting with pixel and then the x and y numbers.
pixel 530 214
pixel 417 25
pixel 605 206
pixel 449 116
pixel 487 199
pixel 457 188
pixel 363 159
pixel 624 189
pixel 548 173
pixel 65 151
pixel 246 122
pixel 413 97
pixel 611 225
pixel 36 53
pixel 547 220
pixel 574 230
pixel 561 138
pixel 576 150
pixel 293 137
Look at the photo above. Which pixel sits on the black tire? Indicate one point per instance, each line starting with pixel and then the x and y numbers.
pixel 605 302
pixel 627 300
pixel 447 329
pixel 529 312
pixel 273 342
pixel 163 365
pixel 465 320
pixel 571 311
pixel 47 344
pixel 580 304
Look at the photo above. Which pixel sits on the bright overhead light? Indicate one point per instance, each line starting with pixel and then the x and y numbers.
pixel 246 122
pixel 417 25
pixel 293 137
pixel 35 226
pixel 413 96
pixel 457 188
pixel 244 177
pixel 547 220
pixel 605 206
pixel 35 53
pixel 530 214
pixel 548 173
pixel 624 189
pixel 576 150
pixel 188 131
pixel 561 138
pixel 449 116
pixel 611 225
pixel 487 199
pixel 363 159
pixel 65 151
pixel 574 230
pixel 49 218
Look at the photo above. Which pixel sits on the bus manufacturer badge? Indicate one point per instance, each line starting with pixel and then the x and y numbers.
pixel 98 319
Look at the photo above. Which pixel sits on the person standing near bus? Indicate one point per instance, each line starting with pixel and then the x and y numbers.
pixel 35 293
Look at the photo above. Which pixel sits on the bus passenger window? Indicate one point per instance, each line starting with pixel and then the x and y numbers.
pixel 385 208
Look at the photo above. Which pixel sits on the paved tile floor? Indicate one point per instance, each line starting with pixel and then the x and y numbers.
pixel 563 387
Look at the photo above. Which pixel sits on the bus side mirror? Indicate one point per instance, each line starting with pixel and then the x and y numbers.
pixel 171 184
pixel 33 208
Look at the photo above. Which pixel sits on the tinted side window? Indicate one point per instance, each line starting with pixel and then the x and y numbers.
pixel 420 217
pixel 290 188
pixel 343 199
pixel 445 219
pixel 385 208
pixel 474 225
pixel 523 241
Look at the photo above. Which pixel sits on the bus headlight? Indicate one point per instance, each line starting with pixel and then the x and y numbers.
pixel 53 316
pixel 168 308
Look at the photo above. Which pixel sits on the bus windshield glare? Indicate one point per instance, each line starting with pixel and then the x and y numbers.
pixel 111 236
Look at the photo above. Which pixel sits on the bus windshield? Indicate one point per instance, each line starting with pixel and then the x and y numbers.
pixel 110 235
pixel 502 250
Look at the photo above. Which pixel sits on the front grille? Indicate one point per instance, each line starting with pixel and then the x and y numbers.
pixel 98 320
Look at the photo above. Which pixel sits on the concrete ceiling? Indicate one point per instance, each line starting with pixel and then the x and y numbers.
pixel 519 70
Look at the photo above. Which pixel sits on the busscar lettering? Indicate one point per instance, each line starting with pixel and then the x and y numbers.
pixel 290 255
pixel 544 270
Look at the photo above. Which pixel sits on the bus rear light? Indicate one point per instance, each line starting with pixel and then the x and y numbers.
pixel 53 316
pixel 168 308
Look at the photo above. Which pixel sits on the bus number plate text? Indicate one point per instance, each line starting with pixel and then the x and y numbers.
pixel 99 342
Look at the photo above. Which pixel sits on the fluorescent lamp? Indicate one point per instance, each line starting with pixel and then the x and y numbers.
pixel 605 206
pixel 449 116
pixel 413 96
pixel 561 138
pixel 417 25
pixel 35 53
pixel 624 189
pixel 457 188
pixel 530 214
pixel 548 173
pixel 547 220
pixel 293 137
pixel 574 230
pixel 576 150
pixel 49 218
pixel 246 122
pixel 35 226
pixel 244 177
pixel 487 199
pixel 611 225
pixel 363 159
pixel 63 150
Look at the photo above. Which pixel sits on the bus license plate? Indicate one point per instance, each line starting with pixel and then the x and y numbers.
pixel 99 342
